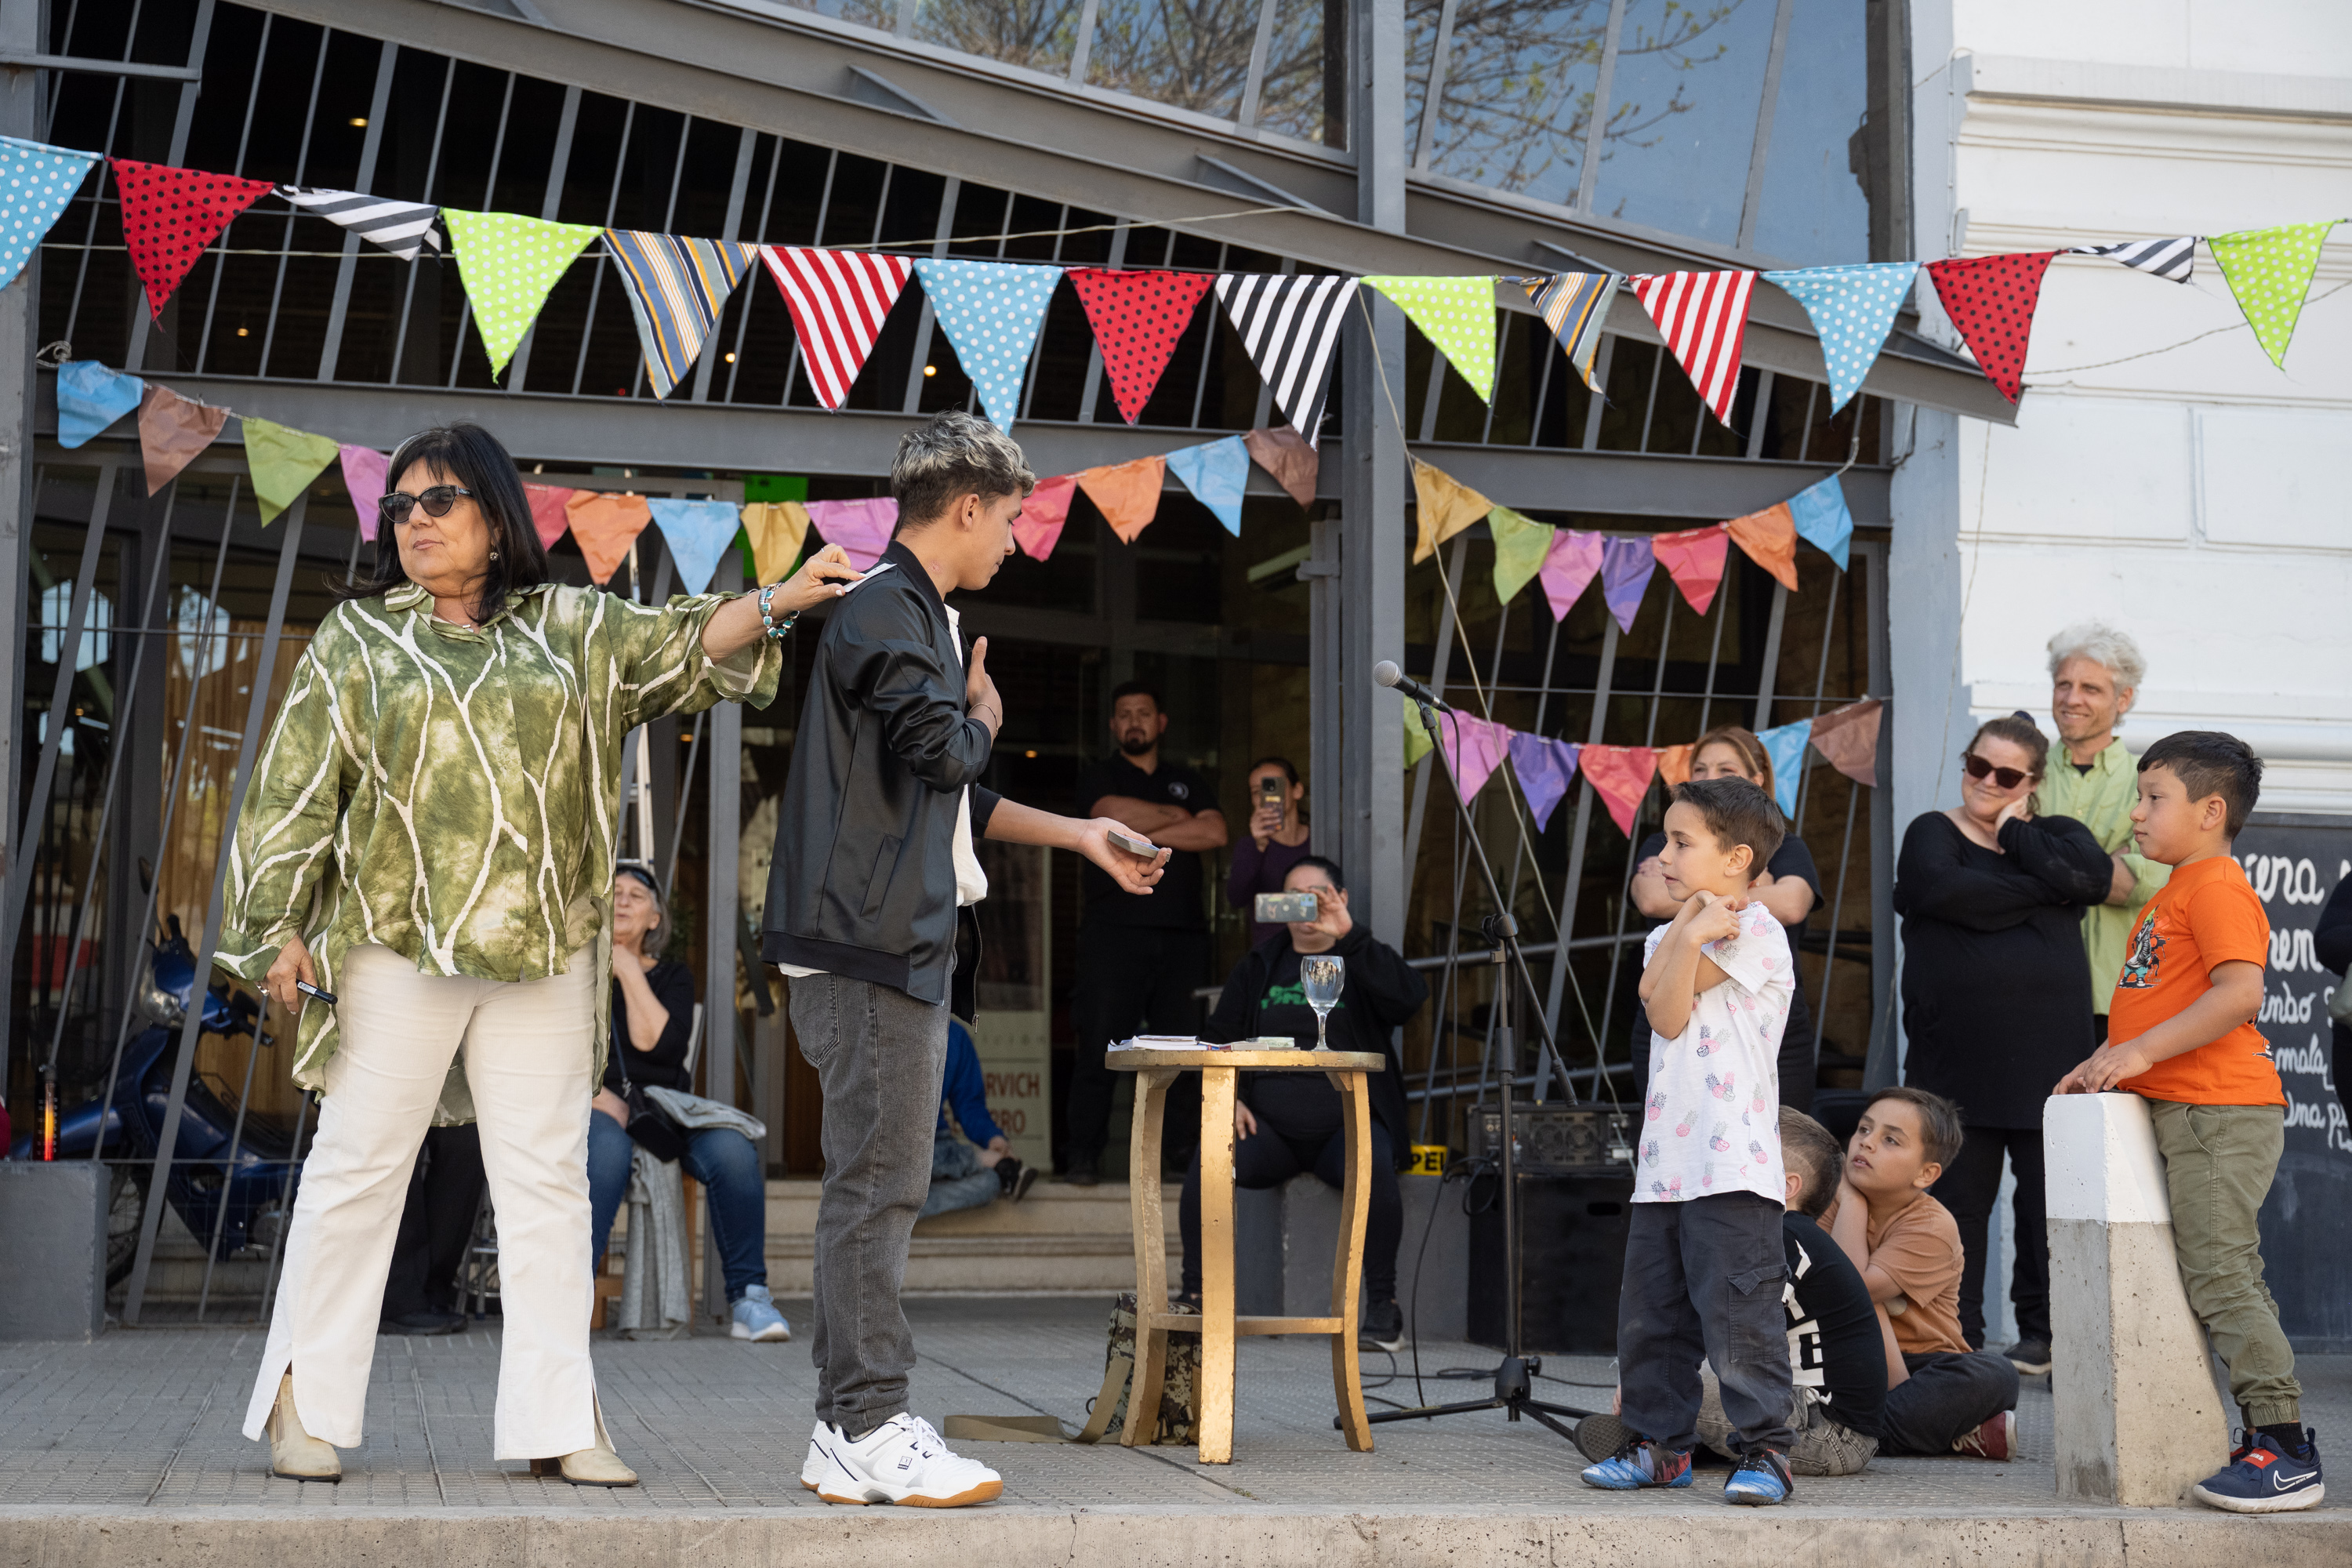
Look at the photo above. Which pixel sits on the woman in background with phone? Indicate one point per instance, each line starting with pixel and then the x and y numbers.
pixel 1277 840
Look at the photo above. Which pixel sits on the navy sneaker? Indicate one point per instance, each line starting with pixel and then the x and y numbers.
pixel 1641 1463
pixel 1762 1478
pixel 2261 1478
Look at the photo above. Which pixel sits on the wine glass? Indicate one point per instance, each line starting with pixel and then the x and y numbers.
pixel 1321 975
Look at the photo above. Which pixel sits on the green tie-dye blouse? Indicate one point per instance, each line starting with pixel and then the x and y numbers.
pixel 452 793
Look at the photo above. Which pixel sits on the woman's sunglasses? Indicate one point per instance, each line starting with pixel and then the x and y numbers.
pixel 436 503
pixel 2004 778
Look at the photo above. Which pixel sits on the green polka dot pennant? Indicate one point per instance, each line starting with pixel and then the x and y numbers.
pixel 507 264
pixel 1457 314
pixel 2270 271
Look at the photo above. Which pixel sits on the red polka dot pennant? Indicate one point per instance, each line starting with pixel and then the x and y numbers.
pixel 170 215
pixel 1137 318
pixel 1991 299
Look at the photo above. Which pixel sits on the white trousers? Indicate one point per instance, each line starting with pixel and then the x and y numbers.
pixel 529 1047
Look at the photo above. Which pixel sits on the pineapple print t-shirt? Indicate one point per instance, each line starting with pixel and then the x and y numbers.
pixel 1711 1122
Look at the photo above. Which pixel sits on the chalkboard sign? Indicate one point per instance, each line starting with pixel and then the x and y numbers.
pixel 2294 863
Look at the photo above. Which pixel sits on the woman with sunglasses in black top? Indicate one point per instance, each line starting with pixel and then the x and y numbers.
pixel 1996 991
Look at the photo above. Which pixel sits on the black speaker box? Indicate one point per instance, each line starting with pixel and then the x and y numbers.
pixel 1571 1262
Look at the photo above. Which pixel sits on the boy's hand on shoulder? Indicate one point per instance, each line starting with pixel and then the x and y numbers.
pixel 1711 919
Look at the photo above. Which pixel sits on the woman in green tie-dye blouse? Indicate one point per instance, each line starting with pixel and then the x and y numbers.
pixel 428 842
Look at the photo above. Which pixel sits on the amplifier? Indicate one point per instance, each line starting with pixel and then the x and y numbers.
pixel 1558 1140
pixel 1571 1262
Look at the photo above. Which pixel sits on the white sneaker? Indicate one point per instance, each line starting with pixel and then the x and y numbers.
pixel 812 1467
pixel 902 1461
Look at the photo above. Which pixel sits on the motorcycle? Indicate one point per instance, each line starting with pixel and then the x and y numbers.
pixel 247 1194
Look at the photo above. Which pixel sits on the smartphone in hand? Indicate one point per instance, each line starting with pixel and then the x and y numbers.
pixel 1142 849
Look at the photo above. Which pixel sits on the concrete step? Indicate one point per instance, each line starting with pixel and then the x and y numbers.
pixel 1058 1240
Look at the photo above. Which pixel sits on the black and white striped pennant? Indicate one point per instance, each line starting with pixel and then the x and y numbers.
pixel 2170 259
pixel 1289 326
pixel 399 227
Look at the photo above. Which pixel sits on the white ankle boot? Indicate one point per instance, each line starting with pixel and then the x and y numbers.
pixel 294 1453
pixel 596 1467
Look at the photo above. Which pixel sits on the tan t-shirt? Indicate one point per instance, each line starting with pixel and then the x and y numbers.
pixel 1918 1247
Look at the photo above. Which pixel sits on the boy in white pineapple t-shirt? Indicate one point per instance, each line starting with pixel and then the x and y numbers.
pixel 1703 1263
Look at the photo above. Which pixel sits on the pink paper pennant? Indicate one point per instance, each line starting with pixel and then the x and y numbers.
pixel 549 517
pixel 1039 527
pixel 363 476
pixel 1569 569
pixel 862 527
pixel 1693 557
pixel 1473 748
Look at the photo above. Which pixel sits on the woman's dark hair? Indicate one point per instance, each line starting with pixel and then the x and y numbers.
pixel 2018 730
pixel 1324 864
pixel 476 459
pixel 1288 771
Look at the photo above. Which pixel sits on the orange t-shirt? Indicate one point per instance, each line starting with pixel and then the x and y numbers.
pixel 2207 914
pixel 1918 1247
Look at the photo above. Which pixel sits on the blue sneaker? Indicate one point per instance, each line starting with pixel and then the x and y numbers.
pixel 1641 1463
pixel 756 1316
pixel 1762 1478
pixel 2262 1478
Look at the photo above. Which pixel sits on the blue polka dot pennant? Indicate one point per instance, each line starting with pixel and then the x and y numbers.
pixel 991 310
pixel 1853 308
pixel 37 181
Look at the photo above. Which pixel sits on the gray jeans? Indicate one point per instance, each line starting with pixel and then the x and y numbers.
pixel 880 1057
pixel 1821 1448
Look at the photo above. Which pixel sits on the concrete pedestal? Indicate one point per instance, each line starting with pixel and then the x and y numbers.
pixel 2138 1419
pixel 53 1225
pixel 1284 1240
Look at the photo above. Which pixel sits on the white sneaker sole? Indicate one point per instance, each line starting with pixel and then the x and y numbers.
pixel 986 1492
pixel 765 1336
pixel 2286 1502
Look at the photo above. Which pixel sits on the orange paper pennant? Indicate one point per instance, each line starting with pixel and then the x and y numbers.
pixel 171 431
pixel 604 526
pixel 1770 538
pixel 1675 765
pixel 1694 559
pixel 1128 494
pixel 1446 507
pixel 1622 774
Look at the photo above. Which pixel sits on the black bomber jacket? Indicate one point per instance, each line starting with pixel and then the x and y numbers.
pixel 864 879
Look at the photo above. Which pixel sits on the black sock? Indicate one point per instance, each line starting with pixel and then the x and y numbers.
pixel 2287 1435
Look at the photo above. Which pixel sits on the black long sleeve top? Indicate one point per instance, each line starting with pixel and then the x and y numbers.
pixel 2332 937
pixel 1996 982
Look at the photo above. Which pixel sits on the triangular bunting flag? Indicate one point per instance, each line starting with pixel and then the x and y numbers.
pixel 171 431
pixel 1675 765
pixel 549 514
pixel 862 527
pixel 1039 527
pixel 1546 769
pixel 1786 746
pixel 170 215
pixel 1473 747
pixel 1446 506
pixel 2171 259
pixel 697 534
pixel 1621 775
pixel 1770 539
pixel 2270 271
pixel 1693 557
pixel 991 311
pixel 1457 314
pixel 508 263
pixel 1575 306
pixel 1703 316
pixel 1128 494
pixel 1216 472
pixel 283 462
pixel 676 288
pixel 1991 299
pixel 1417 743
pixel 1848 737
pixel 1288 327
pixel 838 300
pixel 1626 565
pixel 604 526
pixel 1138 316
pixel 1821 519
pixel 1853 309
pixel 90 398
pixel 1282 452
pixel 363 475
pixel 403 228
pixel 37 181
pixel 1521 545
pixel 1570 566
pixel 777 529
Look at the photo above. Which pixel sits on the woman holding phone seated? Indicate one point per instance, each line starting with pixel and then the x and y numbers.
pixel 1288 1123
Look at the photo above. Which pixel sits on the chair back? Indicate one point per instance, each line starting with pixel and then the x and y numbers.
pixel 693 1044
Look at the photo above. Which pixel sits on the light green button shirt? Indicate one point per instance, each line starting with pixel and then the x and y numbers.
pixel 2102 801
pixel 452 793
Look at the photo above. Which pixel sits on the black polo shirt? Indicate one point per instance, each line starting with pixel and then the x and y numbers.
pixel 1175 904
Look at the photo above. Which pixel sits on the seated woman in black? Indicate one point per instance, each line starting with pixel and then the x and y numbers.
pixel 1288 1122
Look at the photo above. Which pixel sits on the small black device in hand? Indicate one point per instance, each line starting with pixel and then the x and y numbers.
pixel 1269 791
pixel 1281 909
pixel 304 986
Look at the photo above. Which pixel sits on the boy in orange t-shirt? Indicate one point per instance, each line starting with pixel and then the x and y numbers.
pixel 2182 1035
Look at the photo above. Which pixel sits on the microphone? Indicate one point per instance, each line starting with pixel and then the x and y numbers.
pixel 1386 673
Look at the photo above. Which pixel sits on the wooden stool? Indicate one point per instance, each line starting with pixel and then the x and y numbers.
pixel 1216 1325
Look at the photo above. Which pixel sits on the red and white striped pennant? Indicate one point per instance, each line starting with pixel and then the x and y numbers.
pixel 1704 319
pixel 838 300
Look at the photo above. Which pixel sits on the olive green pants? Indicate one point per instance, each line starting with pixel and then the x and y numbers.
pixel 2218 1165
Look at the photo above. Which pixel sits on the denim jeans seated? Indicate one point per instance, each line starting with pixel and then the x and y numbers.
pixel 1947 1396
pixel 726 1164
pixel 959 1181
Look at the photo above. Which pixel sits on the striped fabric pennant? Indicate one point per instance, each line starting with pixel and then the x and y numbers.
pixel 404 228
pixel 2171 259
pixel 1703 316
pixel 1288 326
pixel 838 300
pixel 677 288
pixel 1574 305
